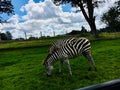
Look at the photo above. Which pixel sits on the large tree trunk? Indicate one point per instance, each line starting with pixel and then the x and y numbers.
pixel 94 30
pixel 0 36
pixel 92 25
pixel 89 18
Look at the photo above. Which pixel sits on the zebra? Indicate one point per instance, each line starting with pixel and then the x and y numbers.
pixel 68 51
pixel 56 45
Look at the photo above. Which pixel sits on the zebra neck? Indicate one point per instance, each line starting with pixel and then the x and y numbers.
pixel 54 57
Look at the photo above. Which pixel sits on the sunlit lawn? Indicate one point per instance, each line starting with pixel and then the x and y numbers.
pixel 22 69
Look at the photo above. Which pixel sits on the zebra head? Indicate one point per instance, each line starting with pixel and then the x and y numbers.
pixel 47 65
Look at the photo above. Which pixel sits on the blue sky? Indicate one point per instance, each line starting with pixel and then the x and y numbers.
pixel 19 3
pixel 35 16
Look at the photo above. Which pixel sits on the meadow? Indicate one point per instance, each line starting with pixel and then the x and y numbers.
pixel 21 66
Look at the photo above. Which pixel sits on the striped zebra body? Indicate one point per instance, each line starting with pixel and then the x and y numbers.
pixel 67 51
pixel 76 48
pixel 56 45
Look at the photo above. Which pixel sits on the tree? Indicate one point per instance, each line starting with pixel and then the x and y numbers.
pixel 3 36
pixel 87 8
pixel 6 7
pixel 8 35
pixel 112 18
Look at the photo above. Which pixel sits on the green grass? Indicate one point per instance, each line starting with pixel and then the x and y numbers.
pixel 22 69
pixel 25 44
pixel 48 41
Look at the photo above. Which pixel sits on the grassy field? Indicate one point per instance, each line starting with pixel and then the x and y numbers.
pixel 22 69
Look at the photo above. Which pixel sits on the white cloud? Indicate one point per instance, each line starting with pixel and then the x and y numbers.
pixel 46 17
pixel 13 23
pixel 41 10
pixel 103 7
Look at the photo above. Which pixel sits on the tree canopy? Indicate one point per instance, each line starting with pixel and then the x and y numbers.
pixel 112 17
pixel 87 8
pixel 6 36
pixel 6 7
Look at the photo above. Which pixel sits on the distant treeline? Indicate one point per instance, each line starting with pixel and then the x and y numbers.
pixel 84 31
pixel 6 36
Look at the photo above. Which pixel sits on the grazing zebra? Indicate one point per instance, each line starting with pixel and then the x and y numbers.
pixel 67 51
pixel 56 45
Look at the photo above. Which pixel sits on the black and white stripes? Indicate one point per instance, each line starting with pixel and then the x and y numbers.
pixel 56 45
pixel 71 48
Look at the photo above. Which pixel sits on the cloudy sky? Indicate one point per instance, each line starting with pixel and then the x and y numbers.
pixel 42 16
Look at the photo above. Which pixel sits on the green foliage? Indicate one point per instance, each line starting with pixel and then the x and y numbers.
pixel 87 9
pixel 76 3
pixel 112 18
pixel 6 36
pixel 6 7
pixel 9 35
pixel 22 69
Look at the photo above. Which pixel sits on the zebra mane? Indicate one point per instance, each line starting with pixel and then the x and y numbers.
pixel 44 62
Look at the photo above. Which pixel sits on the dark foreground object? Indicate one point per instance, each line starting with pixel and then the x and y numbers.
pixel 111 85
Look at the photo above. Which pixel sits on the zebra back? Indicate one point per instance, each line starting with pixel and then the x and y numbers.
pixel 56 45
pixel 82 45
pixel 74 49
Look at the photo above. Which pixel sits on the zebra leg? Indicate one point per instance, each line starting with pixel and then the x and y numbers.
pixel 68 66
pixel 90 59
